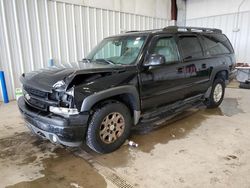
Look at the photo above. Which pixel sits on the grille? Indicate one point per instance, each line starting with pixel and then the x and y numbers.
pixel 35 92
pixel 35 102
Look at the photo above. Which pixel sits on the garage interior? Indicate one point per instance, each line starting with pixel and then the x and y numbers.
pixel 198 148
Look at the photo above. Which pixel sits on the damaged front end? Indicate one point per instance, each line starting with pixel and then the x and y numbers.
pixel 66 105
pixel 52 114
pixel 56 101
pixel 52 99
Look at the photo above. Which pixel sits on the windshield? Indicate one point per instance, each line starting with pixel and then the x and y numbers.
pixel 118 50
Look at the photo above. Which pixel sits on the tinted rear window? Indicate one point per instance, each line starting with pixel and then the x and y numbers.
pixel 190 47
pixel 216 44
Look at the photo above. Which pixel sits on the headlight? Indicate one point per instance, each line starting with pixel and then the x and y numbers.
pixel 63 111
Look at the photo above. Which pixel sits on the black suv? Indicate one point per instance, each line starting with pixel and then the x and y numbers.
pixel 132 79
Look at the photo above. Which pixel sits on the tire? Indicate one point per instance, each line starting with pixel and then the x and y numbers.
pixel 244 85
pixel 215 100
pixel 104 134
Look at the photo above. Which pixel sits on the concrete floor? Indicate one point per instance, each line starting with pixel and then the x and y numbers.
pixel 206 148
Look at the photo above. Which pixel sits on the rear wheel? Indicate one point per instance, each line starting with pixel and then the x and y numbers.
pixel 109 127
pixel 217 94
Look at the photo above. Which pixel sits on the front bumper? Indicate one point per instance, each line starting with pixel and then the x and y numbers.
pixel 58 129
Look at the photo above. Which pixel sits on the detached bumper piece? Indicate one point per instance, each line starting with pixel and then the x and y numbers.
pixel 66 131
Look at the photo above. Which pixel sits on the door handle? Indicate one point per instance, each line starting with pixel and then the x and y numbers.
pixel 179 69
pixel 204 66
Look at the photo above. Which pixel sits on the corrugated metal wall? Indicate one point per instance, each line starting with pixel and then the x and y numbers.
pixel 235 26
pixel 34 31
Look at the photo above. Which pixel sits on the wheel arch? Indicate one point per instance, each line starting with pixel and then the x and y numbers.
pixel 220 72
pixel 126 94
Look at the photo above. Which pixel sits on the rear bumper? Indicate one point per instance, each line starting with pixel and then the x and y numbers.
pixel 66 131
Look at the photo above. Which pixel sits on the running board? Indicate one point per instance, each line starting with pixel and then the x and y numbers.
pixel 172 107
pixel 155 119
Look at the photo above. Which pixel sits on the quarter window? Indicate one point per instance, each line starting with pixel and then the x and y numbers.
pixel 190 47
pixel 168 48
pixel 215 45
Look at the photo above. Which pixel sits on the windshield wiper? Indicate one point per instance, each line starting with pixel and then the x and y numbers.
pixel 106 61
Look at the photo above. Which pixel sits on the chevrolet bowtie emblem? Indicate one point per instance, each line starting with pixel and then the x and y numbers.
pixel 27 96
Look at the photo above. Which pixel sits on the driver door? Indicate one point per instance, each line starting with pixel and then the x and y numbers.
pixel 162 84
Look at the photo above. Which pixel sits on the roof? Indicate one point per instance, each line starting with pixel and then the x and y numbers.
pixel 172 29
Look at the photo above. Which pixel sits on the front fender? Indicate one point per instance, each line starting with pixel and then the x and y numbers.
pixel 91 100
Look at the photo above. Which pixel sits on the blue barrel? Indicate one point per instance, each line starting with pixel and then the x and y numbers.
pixel 3 88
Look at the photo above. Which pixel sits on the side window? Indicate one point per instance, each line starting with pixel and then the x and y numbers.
pixel 168 48
pixel 215 45
pixel 190 47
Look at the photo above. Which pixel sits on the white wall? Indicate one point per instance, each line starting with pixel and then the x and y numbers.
pixel 206 8
pixel 34 31
pixel 152 8
pixel 223 14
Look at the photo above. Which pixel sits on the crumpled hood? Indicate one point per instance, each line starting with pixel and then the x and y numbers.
pixel 45 79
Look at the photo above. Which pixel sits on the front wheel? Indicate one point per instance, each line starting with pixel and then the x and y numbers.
pixel 217 94
pixel 109 127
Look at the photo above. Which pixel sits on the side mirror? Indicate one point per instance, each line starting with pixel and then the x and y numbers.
pixel 154 60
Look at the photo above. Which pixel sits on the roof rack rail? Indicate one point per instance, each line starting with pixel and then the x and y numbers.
pixel 191 29
pixel 132 31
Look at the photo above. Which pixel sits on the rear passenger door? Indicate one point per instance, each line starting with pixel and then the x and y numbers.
pixel 195 65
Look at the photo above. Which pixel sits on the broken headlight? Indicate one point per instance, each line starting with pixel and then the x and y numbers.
pixel 59 84
pixel 66 103
pixel 63 110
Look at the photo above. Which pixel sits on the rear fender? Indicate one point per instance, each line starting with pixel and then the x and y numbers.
pixel 214 73
pixel 217 70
